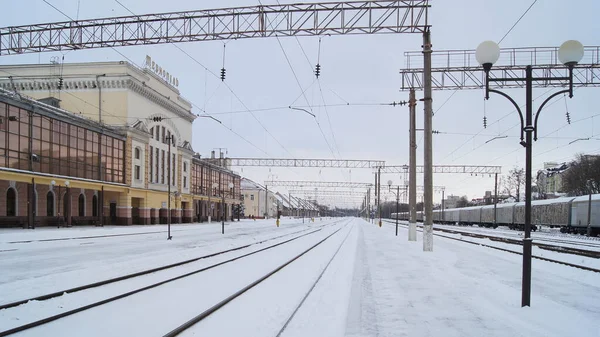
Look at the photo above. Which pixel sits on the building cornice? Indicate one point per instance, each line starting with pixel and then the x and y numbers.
pixel 118 82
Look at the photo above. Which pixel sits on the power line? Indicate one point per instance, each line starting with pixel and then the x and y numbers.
pixel 513 26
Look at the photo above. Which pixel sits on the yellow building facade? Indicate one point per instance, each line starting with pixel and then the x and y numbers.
pixel 102 143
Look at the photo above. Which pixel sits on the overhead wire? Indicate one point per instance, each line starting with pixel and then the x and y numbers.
pixel 132 62
pixel 301 89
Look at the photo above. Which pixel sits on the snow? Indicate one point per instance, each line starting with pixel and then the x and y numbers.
pixel 377 284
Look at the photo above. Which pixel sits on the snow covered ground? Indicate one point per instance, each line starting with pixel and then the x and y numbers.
pixel 375 284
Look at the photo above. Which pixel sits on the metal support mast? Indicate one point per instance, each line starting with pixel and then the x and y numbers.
pixel 427 140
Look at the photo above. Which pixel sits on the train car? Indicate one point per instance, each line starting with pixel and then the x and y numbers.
pixel 470 215
pixel 487 216
pixel 579 215
pixel 437 216
pixel 451 216
pixel 505 214
pixel 551 212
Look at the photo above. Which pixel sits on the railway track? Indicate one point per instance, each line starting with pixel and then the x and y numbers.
pixel 508 250
pixel 201 316
pixel 48 319
pixel 103 236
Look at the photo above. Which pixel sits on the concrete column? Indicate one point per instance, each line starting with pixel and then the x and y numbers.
pixel 412 175
pixel 428 144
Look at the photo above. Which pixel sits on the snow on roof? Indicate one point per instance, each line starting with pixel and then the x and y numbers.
pixel 499 205
pixel 586 198
pixel 247 184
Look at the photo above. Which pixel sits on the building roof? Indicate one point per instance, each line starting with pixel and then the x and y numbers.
pixel 247 184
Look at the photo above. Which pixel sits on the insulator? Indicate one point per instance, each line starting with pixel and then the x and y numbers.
pixel 568 118
pixel 222 74
pixel 484 122
pixel 60 83
pixel 318 70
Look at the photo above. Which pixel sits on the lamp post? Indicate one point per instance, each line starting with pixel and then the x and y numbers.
pixel 589 215
pixel 210 206
pixel 569 53
pixel 169 141
pixel 397 201
pixel 223 209
pixel 53 183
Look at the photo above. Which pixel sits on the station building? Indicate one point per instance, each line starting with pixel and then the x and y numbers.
pixel 85 143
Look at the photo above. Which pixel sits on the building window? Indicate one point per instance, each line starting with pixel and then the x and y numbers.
pixel 95 205
pixel 11 202
pixel 157 165
pixel 251 196
pixel 137 172
pixel 157 137
pixel 162 176
pixel 184 166
pixel 50 204
pixel 163 135
pixel 81 202
pixel 184 182
pixel 137 153
pixel 151 165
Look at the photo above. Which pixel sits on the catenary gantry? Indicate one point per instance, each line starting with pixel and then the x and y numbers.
pixel 282 162
pixel 472 169
pixel 331 18
pixel 458 69
pixel 322 184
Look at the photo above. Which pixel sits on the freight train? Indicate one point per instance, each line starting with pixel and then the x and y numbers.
pixel 570 214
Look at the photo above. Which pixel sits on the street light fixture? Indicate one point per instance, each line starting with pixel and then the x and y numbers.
pixel 569 53
pixel 397 201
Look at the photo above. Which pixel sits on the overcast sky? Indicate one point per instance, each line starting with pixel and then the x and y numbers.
pixel 362 70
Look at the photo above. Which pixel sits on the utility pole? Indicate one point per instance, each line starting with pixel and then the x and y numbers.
pixel 266 200
pixel 412 171
pixel 495 196
pixel 589 215
pixel 443 190
pixel 379 194
pixel 428 142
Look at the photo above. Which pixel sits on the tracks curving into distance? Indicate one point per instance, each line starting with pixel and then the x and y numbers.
pixel 153 285
pixel 512 241
pixel 230 298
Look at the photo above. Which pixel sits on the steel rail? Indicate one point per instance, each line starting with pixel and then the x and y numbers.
pixel 219 305
pixel 151 286
pixel 515 252
pixel 313 286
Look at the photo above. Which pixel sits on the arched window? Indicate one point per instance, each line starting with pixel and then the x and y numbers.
pixel 95 205
pixel 11 202
pixel 50 204
pixel 137 153
pixel 81 205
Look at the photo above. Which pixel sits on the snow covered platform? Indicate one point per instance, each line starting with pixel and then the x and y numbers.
pixel 361 280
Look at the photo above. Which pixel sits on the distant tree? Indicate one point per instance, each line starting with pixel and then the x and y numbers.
pixel 513 184
pixel 462 202
pixel 582 170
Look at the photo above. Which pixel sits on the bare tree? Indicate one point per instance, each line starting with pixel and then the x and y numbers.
pixel 513 183
pixel 583 175
pixel 462 202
